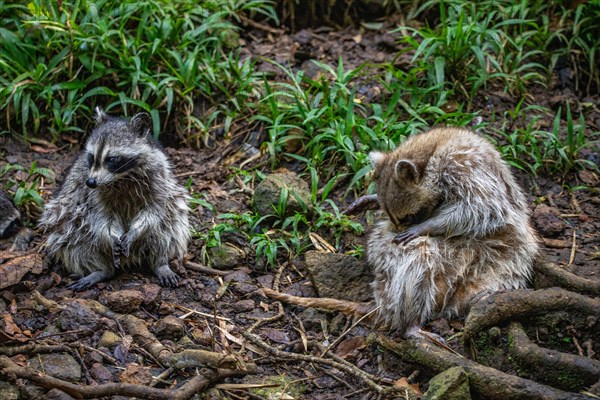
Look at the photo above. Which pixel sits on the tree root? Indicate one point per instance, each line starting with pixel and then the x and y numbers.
pixel 186 358
pixel 549 366
pixel 485 381
pixel 13 371
pixel 324 303
pixel 567 280
pixel 501 307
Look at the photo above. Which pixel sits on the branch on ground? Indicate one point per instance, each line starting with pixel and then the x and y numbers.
pixel 484 381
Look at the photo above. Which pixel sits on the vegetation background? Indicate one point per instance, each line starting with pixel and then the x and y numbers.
pixel 526 74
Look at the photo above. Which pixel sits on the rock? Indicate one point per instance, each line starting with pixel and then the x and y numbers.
pixel 242 282
pixel 547 220
pixel 59 365
pixel 169 327
pixel 109 339
pixel 311 319
pixel 339 276
pixel 152 294
pixel 450 384
pixel 225 257
pixel 244 305
pixel 267 193
pixel 100 373
pixel 122 301
pixel 56 394
pixel 78 316
pixel 8 391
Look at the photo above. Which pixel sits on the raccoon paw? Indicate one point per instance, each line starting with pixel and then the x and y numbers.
pixel 166 276
pixel 408 235
pixel 89 281
pixel 125 244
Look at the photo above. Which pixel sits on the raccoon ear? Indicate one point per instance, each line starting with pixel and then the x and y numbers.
pixel 100 116
pixel 140 123
pixel 376 158
pixel 406 171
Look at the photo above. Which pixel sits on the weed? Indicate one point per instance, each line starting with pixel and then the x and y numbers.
pixel 27 184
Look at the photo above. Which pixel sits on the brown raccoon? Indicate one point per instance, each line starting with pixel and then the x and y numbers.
pixel 455 227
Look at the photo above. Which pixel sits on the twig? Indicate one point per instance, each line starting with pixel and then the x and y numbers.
pixel 573 247
pixel 319 360
pixel 339 338
pixel 262 27
pixel 204 269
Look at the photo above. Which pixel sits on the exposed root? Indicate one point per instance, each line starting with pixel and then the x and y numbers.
pixel 323 303
pixel 501 307
pixel 567 280
pixel 13 371
pixel 548 366
pixel 183 359
pixel 486 382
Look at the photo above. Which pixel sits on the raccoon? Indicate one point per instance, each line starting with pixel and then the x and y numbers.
pixel 119 207
pixel 11 225
pixel 455 226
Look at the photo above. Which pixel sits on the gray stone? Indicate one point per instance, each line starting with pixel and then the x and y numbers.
pixel 77 315
pixel 548 221
pixel 227 256
pixel 169 327
pixel 339 276
pixel 450 384
pixel 58 365
pixel 267 193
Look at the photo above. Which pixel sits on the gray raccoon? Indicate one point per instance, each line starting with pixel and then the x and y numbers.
pixel 456 228
pixel 119 207
pixel 11 225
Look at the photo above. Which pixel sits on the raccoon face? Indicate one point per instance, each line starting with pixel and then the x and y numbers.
pixel 116 148
pixel 400 192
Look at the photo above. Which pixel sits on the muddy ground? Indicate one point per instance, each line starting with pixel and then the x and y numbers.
pixel 215 309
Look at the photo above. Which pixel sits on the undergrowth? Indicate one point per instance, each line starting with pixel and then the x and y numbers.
pixel 179 61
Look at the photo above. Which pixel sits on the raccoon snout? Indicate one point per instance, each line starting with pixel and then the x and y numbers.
pixel 91 183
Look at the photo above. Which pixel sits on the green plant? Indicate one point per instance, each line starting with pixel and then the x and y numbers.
pixel 60 59
pixel 562 149
pixel 27 185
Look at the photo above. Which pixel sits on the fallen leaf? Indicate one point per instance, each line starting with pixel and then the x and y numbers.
pixel 136 374
pixel 351 345
pixel 403 383
pixel 10 331
pixel 15 268
pixel 276 335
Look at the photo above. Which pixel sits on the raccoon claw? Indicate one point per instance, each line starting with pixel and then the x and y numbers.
pixel 125 245
pixel 166 277
pixel 88 281
pixel 406 236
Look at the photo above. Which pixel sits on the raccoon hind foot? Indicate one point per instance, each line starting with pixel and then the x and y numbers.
pixel 166 276
pixel 90 280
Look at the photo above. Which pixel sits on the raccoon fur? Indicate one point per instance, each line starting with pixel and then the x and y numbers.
pixel 455 226
pixel 119 207
pixel 11 225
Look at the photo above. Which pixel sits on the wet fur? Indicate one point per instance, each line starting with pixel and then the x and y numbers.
pixel 143 200
pixel 467 221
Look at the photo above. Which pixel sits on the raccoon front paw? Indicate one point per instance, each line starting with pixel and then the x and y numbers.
pixel 408 235
pixel 125 244
pixel 116 252
pixel 89 281
pixel 166 277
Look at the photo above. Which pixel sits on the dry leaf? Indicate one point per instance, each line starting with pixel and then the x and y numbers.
pixel 403 383
pixel 9 330
pixel 349 346
pixel 15 268
pixel 136 374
